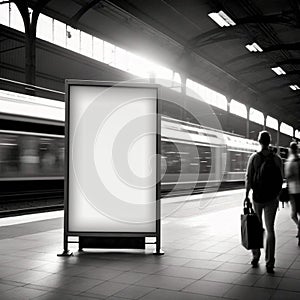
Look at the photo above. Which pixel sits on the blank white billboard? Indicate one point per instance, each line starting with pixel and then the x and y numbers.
pixel 112 159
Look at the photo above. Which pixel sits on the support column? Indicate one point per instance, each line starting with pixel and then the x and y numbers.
pixel 228 114
pixel 278 137
pixel 30 24
pixel 183 83
pixel 183 91
pixel 265 122
pixel 248 122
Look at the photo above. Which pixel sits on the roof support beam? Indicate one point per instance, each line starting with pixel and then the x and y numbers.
pixel 292 61
pixel 74 20
pixel 258 19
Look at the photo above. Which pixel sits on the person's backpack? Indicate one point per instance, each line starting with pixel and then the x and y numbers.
pixel 267 181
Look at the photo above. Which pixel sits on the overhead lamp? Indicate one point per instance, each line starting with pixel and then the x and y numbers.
pixel 278 71
pixel 222 19
pixel 254 47
pixel 294 87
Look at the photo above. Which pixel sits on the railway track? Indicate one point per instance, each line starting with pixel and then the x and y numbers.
pixel 37 201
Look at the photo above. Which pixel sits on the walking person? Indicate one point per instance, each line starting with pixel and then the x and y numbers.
pixel 264 177
pixel 292 174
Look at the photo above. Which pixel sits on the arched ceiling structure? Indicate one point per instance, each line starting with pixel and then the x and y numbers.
pixel 181 35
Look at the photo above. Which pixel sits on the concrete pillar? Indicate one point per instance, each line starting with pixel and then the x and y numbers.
pixel 248 122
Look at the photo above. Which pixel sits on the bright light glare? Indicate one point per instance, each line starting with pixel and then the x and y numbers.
pixel 4 14
pixel 238 109
pixel 272 123
pixel 218 19
pixel 227 18
pixel 203 93
pixel 294 87
pixel 222 19
pixel 278 71
pixel 256 116
pixel 26 105
pixel 254 47
pixel 16 20
pixel 286 129
pixel 45 28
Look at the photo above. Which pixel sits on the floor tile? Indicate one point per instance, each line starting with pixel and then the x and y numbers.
pixel 149 268
pixel 285 295
pixel 222 276
pixel 290 284
pixel 81 284
pixel 204 264
pixel 208 288
pixel 129 277
pixel 245 292
pixel 160 294
pixel 184 272
pixel 231 267
pixel 247 279
pixel 101 273
pixel 107 288
pixel 28 276
pixel 134 292
pixel 22 293
pixel 165 282
pixel 266 281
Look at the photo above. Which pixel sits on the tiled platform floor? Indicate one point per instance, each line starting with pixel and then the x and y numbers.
pixel 203 260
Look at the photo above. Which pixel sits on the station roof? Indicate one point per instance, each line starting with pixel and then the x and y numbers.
pixel 181 35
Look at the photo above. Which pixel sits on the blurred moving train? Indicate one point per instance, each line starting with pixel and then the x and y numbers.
pixel 193 156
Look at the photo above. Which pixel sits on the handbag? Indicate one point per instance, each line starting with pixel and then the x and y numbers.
pixel 284 194
pixel 251 228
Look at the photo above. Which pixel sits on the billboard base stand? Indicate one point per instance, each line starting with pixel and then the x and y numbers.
pixel 158 252
pixel 65 253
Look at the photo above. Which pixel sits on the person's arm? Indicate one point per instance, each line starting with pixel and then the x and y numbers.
pixel 287 170
pixel 249 176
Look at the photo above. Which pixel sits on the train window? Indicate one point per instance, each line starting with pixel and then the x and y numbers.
pixel 26 155
pixel 189 157
pixel 238 161
pixel 186 158
pixel 204 159
pixel 170 158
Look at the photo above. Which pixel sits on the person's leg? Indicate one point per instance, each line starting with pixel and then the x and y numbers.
pixel 258 208
pixel 293 208
pixel 270 213
pixel 297 210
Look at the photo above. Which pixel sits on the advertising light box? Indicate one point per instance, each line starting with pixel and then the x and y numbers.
pixel 112 158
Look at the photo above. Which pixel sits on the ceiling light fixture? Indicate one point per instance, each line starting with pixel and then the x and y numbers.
pixel 294 87
pixel 221 19
pixel 278 71
pixel 254 47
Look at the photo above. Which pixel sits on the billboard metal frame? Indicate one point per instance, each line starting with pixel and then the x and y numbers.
pixel 67 232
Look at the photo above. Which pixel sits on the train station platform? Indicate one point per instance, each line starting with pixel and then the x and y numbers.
pixel 203 259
